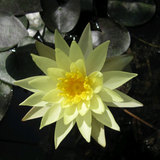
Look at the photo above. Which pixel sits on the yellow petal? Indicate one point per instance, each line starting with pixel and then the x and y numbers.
pixel 43 83
pixel 55 73
pixel 52 97
pixel 128 101
pixel 97 105
pixel 96 81
pixel 44 63
pixel 61 131
pixel 70 114
pixel 35 112
pixel 117 63
pixel 24 84
pixel 114 79
pixel 75 52
pixel 61 43
pixel 97 57
pixel 35 100
pixel 78 66
pixel 85 41
pixel 83 107
pixel 66 103
pixel 107 119
pixel 84 125
pixel 63 61
pixel 53 114
pixel 45 51
pixel 108 95
pixel 98 132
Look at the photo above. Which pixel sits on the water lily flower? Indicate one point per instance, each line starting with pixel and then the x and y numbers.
pixel 78 86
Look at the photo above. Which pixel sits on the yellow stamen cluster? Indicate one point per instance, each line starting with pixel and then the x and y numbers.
pixel 75 87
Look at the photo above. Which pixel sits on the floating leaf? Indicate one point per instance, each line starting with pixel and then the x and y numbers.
pixel 119 37
pixel 4 76
pixel 35 23
pixel 20 7
pixel 18 65
pixel 26 41
pixel 5 98
pixel 23 20
pixel 62 17
pixel 48 36
pixel 131 13
pixel 11 31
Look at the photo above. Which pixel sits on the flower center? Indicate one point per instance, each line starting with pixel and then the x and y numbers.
pixel 75 87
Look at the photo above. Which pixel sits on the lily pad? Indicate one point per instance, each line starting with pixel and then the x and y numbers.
pixel 23 20
pixel 4 76
pixel 26 41
pixel 48 36
pixel 5 98
pixel 35 23
pixel 20 7
pixel 19 64
pixel 119 36
pixel 131 13
pixel 11 31
pixel 63 17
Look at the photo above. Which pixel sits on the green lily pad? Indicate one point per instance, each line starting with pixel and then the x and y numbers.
pixel 35 23
pixel 19 64
pixel 5 98
pixel 26 41
pixel 131 13
pixel 11 31
pixel 4 75
pixel 23 20
pixel 48 36
pixel 20 7
pixel 119 37
pixel 63 17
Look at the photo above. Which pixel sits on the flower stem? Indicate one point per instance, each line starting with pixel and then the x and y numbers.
pixel 141 120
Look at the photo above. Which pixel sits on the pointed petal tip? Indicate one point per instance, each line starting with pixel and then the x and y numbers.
pixel 88 140
pixel 135 75
pixel 32 55
pixel 41 127
pixel 37 42
pixel 103 146
pixel 140 105
pixel 23 119
pixel 21 104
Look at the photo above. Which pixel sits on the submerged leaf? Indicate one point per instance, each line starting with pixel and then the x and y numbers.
pixel 62 17
pixel 12 30
pixel 119 37
pixel 5 98
pixel 20 7
pixel 131 13
pixel 15 66
pixel 35 23
pixel 4 75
